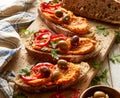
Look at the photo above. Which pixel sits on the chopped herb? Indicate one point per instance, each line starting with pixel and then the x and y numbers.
pixel 115 58
pixel 101 30
pixel 25 71
pixel 44 48
pixel 117 34
pixel 53 44
pixel 19 95
pixel 54 54
pixel 25 32
pixel 100 78
pixel 96 64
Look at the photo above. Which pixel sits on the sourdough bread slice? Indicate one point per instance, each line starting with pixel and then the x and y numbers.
pixel 45 56
pixel 84 68
pixel 61 30
pixel 103 10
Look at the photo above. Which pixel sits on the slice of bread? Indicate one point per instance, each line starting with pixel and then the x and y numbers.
pixel 60 29
pixel 84 68
pixel 103 10
pixel 45 56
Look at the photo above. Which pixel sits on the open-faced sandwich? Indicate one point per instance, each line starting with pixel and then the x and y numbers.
pixel 46 76
pixel 47 46
pixel 64 21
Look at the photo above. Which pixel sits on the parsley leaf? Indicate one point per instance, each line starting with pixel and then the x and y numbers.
pixel 25 71
pixel 115 58
pixel 25 32
pixel 117 34
pixel 101 30
pixel 96 65
pixel 54 54
pixel 100 78
pixel 19 95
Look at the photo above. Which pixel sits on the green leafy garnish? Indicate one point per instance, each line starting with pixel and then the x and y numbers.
pixel 53 44
pixel 117 34
pixel 44 48
pixel 100 78
pixel 25 32
pixel 96 65
pixel 19 95
pixel 54 54
pixel 115 58
pixel 25 71
pixel 101 30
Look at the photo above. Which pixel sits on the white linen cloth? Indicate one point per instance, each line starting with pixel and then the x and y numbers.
pixel 15 15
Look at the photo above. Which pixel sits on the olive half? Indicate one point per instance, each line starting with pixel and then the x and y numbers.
pixel 66 18
pixel 59 13
pixel 62 45
pixel 45 71
pixel 62 64
pixel 55 75
pixel 75 40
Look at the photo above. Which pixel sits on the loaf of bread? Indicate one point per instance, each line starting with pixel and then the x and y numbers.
pixel 103 10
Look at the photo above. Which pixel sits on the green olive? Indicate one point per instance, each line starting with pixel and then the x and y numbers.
pixel 99 94
pixel 59 13
pixel 55 75
pixel 62 64
pixel 62 45
pixel 66 18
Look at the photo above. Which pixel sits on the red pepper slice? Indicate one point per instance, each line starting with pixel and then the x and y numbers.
pixel 41 36
pixel 59 36
pixel 45 5
pixel 26 79
pixel 59 95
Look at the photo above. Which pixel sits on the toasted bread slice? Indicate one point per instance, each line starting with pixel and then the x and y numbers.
pixel 71 56
pixel 76 75
pixel 76 26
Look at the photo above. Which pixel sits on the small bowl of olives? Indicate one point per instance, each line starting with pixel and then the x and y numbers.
pixel 100 91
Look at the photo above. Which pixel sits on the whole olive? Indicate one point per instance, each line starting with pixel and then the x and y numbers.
pixel 99 94
pixel 62 45
pixel 75 40
pixel 59 13
pixel 62 64
pixel 45 71
pixel 55 75
pixel 66 18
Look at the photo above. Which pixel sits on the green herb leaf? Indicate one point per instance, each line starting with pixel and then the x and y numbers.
pixel 19 95
pixel 25 71
pixel 117 33
pixel 25 32
pixel 101 30
pixel 96 64
pixel 44 48
pixel 53 44
pixel 54 54
pixel 100 78
pixel 115 58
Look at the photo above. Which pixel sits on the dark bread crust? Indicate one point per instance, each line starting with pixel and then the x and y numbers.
pixel 37 89
pixel 44 56
pixel 59 29
pixel 103 10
